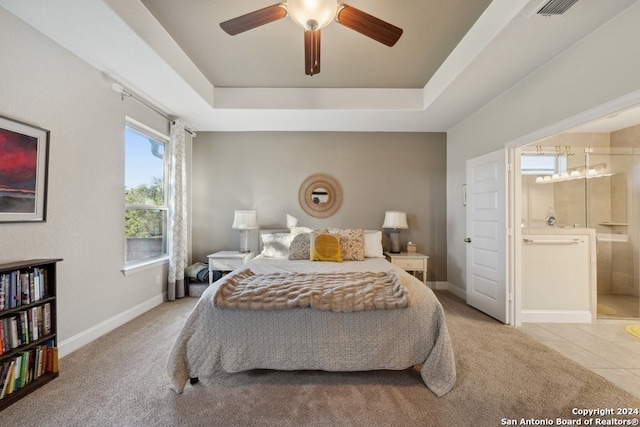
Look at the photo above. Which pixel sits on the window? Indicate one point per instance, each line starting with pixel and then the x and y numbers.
pixel 145 194
pixel 542 164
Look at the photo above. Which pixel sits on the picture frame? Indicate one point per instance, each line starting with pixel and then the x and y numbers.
pixel 24 157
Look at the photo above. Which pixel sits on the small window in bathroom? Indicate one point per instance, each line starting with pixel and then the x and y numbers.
pixel 542 165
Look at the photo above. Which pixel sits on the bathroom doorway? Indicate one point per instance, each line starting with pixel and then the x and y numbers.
pixel 592 180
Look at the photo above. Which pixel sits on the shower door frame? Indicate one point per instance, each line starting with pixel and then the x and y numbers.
pixel 632 208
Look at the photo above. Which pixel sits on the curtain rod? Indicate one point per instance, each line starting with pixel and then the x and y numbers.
pixel 123 92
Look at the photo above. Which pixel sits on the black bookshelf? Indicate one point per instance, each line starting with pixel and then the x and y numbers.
pixel 38 305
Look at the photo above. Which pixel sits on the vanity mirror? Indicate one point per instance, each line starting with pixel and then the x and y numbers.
pixel 320 196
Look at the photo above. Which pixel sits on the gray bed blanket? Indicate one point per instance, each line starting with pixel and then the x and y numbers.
pixel 214 339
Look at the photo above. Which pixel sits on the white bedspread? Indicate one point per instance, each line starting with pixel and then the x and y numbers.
pixel 214 339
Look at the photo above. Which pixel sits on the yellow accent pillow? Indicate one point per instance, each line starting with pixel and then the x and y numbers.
pixel 325 247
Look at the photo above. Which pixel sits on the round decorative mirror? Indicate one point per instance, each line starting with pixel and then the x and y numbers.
pixel 320 196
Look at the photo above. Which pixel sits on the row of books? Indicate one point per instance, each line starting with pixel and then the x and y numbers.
pixel 24 327
pixel 27 366
pixel 22 287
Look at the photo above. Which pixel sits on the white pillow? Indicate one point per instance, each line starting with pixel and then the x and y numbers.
pixel 373 244
pixel 300 230
pixel 292 221
pixel 276 245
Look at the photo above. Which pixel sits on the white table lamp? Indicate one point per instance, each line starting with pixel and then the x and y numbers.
pixel 244 221
pixel 395 221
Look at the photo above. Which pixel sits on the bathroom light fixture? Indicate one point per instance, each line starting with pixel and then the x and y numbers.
pixel 244 221
pixel 582 172
pixel 395 221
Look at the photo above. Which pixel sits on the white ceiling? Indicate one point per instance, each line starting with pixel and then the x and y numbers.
pixel 454 57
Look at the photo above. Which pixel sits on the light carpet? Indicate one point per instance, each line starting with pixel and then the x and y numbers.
pixel 120 380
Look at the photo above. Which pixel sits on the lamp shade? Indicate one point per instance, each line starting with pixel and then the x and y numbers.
pixel 396 220
pixel 312 14
pixel 244 220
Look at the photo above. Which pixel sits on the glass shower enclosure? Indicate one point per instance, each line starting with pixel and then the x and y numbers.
pixel 598 188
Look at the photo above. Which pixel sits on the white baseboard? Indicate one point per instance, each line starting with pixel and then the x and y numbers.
pixel 440 286
pixel 446 286
pixel 85 337
pixel 533 316
pixel 556 316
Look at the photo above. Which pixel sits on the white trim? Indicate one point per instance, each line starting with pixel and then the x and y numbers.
pixel 486 30
pixel 141 127
pixel 438 285
pixel 146 265
pixel 556 316
pixel 459 292
pixel 515 268
pixel 598 112
pixel 83 338
pixel 446 286
pixel 514 194
pixel 139 265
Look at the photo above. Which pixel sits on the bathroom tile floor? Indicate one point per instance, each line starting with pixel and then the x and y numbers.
pixel 612 306
pixel 604 347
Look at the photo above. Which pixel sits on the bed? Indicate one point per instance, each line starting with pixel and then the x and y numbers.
pixel 216 338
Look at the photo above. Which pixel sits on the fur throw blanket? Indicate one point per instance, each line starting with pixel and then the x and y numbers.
pixel 339 292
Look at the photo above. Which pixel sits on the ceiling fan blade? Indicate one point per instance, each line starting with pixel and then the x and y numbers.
pixel 368 25
pixel 311 52
pixel 254 19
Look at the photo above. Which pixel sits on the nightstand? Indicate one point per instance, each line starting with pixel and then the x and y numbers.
pixel 413 262
pixel 227 261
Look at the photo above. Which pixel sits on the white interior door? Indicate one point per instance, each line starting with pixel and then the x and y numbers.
pixel 486 187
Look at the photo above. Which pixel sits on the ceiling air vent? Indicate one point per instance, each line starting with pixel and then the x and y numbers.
pixel 555 7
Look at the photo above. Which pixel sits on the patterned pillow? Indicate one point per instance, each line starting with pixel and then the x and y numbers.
pixel 299 230
pixel 325 247
pixel 299 248
pixel 351 243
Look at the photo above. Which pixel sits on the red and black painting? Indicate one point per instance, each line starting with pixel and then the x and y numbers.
pixel 23 153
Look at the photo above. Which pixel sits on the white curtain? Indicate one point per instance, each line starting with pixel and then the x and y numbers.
pixel 177 213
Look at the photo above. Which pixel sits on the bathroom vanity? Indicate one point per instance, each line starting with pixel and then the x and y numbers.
pixel 559 275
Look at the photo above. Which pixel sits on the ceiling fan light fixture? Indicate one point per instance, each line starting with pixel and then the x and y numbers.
pixel 312 14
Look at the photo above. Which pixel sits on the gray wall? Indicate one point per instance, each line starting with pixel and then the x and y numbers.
pixel 377 172
pixel 600 69
pixel 45 85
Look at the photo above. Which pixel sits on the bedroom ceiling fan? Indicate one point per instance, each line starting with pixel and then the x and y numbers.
pixel 312 16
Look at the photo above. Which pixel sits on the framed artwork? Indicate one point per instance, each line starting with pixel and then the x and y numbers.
pixel 24 152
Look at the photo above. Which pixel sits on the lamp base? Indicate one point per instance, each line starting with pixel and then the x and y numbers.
pixel 244 242
pixel 394 238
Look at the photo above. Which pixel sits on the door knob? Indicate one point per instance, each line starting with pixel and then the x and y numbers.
pixel 468 240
